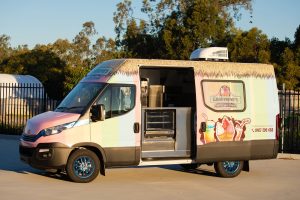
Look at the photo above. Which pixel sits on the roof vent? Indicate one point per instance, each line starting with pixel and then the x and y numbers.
pixel 210 53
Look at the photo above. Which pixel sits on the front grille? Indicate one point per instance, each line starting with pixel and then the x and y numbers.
pixel 25 151
pixel 32 138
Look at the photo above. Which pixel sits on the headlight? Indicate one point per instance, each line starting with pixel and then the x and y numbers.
pixel 57 129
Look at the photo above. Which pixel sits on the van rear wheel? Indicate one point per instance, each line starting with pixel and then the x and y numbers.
pixel 228 169
pixel 83 166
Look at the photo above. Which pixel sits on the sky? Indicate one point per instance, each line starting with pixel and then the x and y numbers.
pixel 44 21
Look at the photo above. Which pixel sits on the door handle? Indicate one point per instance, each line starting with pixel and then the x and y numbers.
pixel 136 127
pixel 203 126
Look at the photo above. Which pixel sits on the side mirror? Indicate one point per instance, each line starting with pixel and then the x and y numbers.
pixel 98 113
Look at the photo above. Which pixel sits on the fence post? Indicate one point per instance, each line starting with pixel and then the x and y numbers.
pixel 1 108
pixel 45 99
pixel 282 118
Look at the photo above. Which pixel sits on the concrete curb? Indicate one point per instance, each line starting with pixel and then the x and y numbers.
pixel 288 156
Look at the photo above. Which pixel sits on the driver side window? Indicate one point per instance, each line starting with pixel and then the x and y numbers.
pixel 117 100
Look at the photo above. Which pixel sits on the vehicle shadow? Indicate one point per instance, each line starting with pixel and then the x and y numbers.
pixel 178 168
pixel 198 170
pixel 10 161
pixel 13 164
pixel 61 176
pixel 9 155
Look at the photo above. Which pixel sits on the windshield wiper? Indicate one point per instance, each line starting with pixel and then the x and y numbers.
pixel 74 107
pixel 61 108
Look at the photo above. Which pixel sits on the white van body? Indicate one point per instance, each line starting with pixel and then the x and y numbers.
pixel 160 112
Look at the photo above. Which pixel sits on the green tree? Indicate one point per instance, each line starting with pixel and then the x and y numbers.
pixel 82 45
pixel 297 38
pixel 291 69
pixel 72 76
pixel 174 28
pixel 65 51
pixel 137 43
pixel 285 56
pixel 5 49
pixel 61 65
pixel 81 55
pixel 104 49
pixel 249 46
pixel 199 24
pixel 277 47
pixel 297 51
pixel 40 63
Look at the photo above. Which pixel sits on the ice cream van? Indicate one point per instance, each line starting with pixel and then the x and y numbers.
pixel 142 112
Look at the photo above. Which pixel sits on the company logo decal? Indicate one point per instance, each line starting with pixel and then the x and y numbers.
pixel 225 99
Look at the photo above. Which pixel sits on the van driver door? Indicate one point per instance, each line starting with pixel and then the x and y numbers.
pixel 118 132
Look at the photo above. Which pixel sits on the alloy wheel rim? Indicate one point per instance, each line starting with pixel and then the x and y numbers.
pixel 84 167
pixel 231 166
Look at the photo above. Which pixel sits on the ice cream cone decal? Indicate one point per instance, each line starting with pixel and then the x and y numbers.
pixel 240 128
pixel 229 129
pixel 224 129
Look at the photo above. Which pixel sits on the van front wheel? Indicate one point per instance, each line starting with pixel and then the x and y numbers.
pixel 83 166
pixel 228 169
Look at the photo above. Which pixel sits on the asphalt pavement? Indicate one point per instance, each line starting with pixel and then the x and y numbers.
pixel 267 179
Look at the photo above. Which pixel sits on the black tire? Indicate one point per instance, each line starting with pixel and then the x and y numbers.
pixel 83 166
pixel 190 166
pixel 228 169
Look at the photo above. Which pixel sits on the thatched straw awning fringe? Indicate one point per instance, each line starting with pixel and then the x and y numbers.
pixel 220 69
pixel 203 68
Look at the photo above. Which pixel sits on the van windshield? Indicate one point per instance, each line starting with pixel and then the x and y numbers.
pixel 80 97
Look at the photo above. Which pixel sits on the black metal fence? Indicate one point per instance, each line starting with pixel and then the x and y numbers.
pixel 19 102
pixel 290 124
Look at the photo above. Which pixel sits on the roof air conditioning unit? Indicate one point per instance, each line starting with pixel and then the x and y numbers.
pixel 210 53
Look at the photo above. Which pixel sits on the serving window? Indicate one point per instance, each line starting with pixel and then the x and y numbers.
pixel 224 95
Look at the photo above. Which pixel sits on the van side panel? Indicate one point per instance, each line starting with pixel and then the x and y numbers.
pixel 240 117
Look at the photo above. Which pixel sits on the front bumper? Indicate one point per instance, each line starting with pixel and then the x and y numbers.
pixel 46 155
